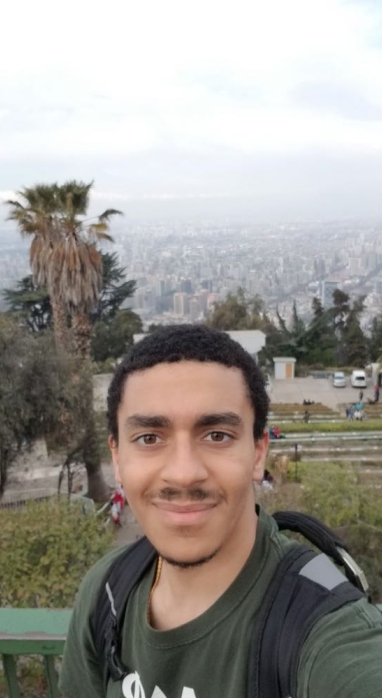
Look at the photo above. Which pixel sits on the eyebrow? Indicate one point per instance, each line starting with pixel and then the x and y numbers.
pixel 206 420
pixel 212 420
pixel 147 421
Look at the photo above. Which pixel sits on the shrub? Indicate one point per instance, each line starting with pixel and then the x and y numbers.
pixel 45 551
pixel 333 493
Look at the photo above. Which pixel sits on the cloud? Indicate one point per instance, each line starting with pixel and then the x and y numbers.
pixel 146 97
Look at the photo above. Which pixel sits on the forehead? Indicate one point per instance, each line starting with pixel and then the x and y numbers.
pixel 174 387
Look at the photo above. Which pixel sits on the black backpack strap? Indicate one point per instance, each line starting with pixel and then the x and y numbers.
pixel 323 538
pixel 107 620
pixel 305 588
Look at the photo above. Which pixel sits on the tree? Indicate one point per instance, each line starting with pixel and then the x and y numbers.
pixel 30 380
pixel 351 342
pixel 63 252
pixel 374 342
pixel 115 290
pixel 320 336
pixel 238 312
pixel 298 325
pixel 317 308
pixel 30 304
pixel 355 344
pixel 64 258
pixel 35 215
pixel 113 327
pixel 111 337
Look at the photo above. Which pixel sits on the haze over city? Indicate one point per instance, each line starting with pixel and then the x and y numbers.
pixel 259 111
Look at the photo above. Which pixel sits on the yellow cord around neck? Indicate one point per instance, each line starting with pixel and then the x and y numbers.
pixel 154 586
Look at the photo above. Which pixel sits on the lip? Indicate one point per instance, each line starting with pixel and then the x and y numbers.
pixel 187 514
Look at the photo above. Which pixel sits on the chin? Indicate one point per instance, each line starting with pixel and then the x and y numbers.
pixel 187 561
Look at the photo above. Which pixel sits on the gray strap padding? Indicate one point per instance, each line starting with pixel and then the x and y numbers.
pixel 322 571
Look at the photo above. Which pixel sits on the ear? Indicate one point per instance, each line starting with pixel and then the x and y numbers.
pixel 261 450
pixel 114 455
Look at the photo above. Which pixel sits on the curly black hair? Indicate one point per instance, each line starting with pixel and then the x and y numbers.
pixel 189 343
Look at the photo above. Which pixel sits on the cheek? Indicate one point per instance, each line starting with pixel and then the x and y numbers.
pixel 134 474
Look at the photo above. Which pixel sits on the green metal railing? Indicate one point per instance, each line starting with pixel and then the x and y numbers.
pixel 32 631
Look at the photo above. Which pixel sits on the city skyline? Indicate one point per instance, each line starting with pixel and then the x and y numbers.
pixel 182 270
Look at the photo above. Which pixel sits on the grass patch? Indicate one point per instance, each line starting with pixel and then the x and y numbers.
pixel 331 427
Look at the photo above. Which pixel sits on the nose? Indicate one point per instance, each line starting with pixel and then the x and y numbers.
pixel 184 466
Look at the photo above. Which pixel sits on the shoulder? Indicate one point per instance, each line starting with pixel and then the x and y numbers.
pixel 342 655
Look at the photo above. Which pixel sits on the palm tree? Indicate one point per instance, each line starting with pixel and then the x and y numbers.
pixel 35 215
pixel 75 264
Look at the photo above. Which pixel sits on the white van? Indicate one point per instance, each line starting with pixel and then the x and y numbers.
pixel 358 379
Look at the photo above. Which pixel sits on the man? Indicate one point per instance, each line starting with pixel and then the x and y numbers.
pixel 187 415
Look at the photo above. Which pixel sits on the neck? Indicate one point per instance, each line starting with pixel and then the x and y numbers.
pixel 184 594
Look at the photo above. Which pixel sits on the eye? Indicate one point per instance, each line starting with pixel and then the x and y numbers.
pixel 218 437
pixel 148 439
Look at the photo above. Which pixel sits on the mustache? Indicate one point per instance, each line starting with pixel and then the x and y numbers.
pixel 190 494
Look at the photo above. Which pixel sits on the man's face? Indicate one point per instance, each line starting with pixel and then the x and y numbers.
pixel 186 457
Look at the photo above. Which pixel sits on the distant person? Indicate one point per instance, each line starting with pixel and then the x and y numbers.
pixel 268 480
pixel 306 417
pixel 117 504
pixel 360 397
pixel 376 393
pixel 358 412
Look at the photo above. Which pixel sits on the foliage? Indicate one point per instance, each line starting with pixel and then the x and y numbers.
pixel 44 393
pixel 63 253
pixel 115 289
pixel 333 336
pixel 30 304
pixel 113 327
pixel 30 379
pixel 238 312
pixel 375 340
pixel 65 258
pixel 112 337
pixel 45 552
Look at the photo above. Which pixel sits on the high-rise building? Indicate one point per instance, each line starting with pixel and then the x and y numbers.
pixel 194 309
pixel 181 304
pixel 186 286
pixel 202 297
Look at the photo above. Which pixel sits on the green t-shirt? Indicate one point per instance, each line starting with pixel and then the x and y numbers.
pixel 208 657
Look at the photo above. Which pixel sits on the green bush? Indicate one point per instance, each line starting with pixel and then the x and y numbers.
pixel 46 549
pixel 333 493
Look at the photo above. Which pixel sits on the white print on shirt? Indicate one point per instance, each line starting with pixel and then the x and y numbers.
pixel 132 688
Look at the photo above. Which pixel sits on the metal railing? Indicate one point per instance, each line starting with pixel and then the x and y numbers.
pixel 32 631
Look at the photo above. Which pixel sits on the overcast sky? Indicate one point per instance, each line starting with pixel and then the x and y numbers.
pixel 272 109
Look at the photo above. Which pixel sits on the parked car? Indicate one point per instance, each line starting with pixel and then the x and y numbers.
pixel 358 379
pixel 339 379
